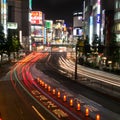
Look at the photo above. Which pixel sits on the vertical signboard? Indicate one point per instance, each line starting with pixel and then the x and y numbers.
pixel 30 8
pixel 98 17
pixel 30 4
pixel 102 26
pixel 4 15
pixel 91 30
pixel 44 42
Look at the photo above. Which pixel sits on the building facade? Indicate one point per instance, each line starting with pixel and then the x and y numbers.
pixel 117 20
pixel 3 15
pixel 15 15
pixel 102 18
pixel 96 12
pixel 78 25
pixel 92 18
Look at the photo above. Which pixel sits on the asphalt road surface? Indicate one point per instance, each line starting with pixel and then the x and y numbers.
pixel 15 104
pixel 78 89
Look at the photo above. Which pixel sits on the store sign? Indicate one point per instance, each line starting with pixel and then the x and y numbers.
pixel 36 31
pixel 12 25
pixel 36 17
pixel 48 24
pixel 30 4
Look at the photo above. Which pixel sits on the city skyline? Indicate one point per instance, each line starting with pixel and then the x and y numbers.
pixel 63 9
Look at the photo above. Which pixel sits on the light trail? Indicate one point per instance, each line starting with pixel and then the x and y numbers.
pixel 101 76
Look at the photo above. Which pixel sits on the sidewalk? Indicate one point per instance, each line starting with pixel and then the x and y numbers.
pixel 100 84
pixel 5 67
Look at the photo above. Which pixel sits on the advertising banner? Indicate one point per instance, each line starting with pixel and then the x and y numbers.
pixel 12 25
pixel 48 24
pixel 30 4
pixel 36 31
pixel 36 17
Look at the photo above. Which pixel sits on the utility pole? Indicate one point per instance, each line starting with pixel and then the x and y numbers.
pixel 76 62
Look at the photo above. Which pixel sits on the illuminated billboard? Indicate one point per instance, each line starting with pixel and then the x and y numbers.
pixel 12 25
pixel 37 31
pixel 78 19
pixel 4 15
pixel 48 24
pixel 30 4
pixel 36 17
pixel 77 32
pixel 98 17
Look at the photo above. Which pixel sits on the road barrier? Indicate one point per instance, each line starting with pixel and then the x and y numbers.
pixel 68 101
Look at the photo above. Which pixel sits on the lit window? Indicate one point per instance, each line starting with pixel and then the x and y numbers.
pixel 117 4
pixel 119 27
pixel 118 37
pixel 117 16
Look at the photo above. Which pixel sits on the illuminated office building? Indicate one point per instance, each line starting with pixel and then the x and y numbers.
pixel 18 12
pixel 97 12
pixel 117 19
pixel 14 14
pixel 78 25
pixel 3 15
pixel 92 18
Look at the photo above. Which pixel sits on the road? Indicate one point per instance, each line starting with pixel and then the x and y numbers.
pixel 28 97
pixel 107 102
pixel 15 103
pixel 99 80
pixel 11 106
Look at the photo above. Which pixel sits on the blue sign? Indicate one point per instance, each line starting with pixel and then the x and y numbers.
pixel 4 1
pixel 91 20
pixel 98 18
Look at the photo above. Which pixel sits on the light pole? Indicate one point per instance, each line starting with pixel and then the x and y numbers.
pixel 76 62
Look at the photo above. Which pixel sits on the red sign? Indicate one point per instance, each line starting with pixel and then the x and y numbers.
pixel 36 17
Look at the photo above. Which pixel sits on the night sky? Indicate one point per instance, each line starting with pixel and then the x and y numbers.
pixel 58 9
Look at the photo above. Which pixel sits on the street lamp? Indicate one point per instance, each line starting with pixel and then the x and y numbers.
pixel 79 47
pixel 76 62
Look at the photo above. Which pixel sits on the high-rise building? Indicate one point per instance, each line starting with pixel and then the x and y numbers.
pixel 3 15
pixel 18 11
pixel 97 13
pixel 14 14
pixel 92 18
pixel 78 25
pixel 117 19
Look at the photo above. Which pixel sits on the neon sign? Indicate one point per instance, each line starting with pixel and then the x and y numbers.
pixel 36 17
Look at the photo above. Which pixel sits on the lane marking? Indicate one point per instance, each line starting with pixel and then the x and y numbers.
pixel 38 113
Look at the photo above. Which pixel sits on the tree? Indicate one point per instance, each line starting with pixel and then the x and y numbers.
pixel 8 46
pixel 100 48
pixel 87 46
pixel 12 44
pixel 95 42
pixel 114 49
